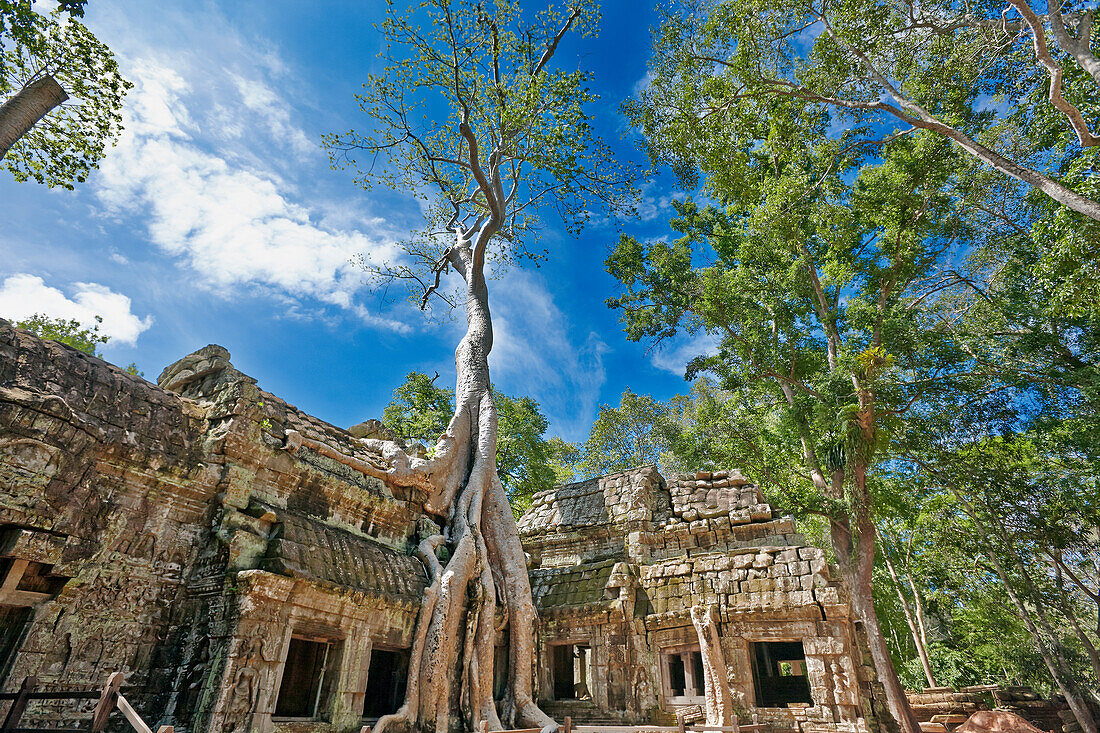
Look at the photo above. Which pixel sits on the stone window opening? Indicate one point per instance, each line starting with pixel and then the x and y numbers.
pixel 779 674
pixel 572 671
pixel 308 674
pixel 682 675
pixel 387 676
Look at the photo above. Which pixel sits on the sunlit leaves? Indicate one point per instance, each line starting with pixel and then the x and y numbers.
pixel 472 116
pixel 68 143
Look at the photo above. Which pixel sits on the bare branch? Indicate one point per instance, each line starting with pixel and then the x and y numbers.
pixel 1042 53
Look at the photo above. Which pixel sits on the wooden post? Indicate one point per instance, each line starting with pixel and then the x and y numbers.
pixel 131 715
pixel 680 722
pixel 18 705
pixel 568 724
pixel 106 703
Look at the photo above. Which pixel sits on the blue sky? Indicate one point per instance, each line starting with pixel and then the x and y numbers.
pixel 217 219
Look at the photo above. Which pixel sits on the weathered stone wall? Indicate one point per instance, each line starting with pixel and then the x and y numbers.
pixel 165 532
pixel 619 561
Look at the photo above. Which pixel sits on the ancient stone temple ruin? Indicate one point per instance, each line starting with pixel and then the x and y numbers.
pixel 619 562
pixel 226 552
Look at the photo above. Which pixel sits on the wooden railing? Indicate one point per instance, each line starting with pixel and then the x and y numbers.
pixel 110 699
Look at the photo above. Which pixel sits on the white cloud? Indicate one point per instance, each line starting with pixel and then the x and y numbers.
pixel 534 353
pixel 23 295
pixel 215 188
pixel 674 355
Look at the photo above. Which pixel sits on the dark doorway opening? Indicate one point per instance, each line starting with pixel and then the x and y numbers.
pixel 386 678
pixel 779 672
pixel 572 671
pixel 304 689
pixel 683 675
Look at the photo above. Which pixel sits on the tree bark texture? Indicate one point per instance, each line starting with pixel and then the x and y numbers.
pixel 719 698
pixel 29 105
pixel 857 559
pixel 483 587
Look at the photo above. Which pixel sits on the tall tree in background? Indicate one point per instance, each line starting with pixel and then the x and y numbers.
pixel 633 434
pixel 812 280
pixel 62 94
pixel 472 116
pixel 1028 514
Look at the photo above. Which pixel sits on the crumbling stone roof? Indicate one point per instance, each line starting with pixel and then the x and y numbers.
pixel 571 586
pixel 579 504
pixel 309 549
pixel 637 494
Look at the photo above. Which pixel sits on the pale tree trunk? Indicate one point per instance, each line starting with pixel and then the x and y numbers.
pixel 1059 565
pixel 26 107
pixel 484 584
pixel 917 116
pixel 857 561
pixel 1076 704
pixel 918 606
pixel 917 633
pixel 719 698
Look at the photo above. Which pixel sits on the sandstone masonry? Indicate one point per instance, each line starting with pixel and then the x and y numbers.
pixel 619 561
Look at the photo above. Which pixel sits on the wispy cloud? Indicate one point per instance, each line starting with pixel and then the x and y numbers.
pixel 536 353
pixel 23 295
pixel 204 163
pixel 673 356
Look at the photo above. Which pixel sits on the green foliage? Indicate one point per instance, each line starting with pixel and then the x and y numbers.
pixel 526 461
pixel 635 433
pixel 70 141
pixel 420 409
pixel 74 334
pixel 1023 521
pixel 524 456
pixel 872 69
pixel 469 104
pixel 64 331
pixel 564 460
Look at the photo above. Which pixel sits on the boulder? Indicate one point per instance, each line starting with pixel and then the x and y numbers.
pixel 996 721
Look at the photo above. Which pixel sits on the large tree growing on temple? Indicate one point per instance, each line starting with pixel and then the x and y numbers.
pixel 471 116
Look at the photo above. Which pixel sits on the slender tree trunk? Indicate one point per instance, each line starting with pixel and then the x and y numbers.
pixel 1090 648
pixel 1053 663
pixel 918 639
pixel 857 557
pixel 1076 704
pixel 918 605
pixel 484 583
pixel 29 105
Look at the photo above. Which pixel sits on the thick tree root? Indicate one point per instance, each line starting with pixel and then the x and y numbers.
pixel 450 685
pixel 719 698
